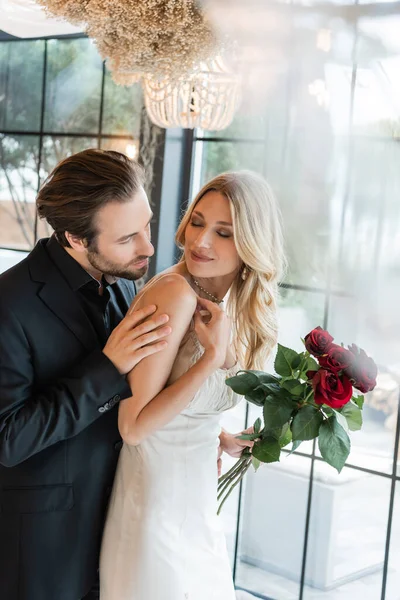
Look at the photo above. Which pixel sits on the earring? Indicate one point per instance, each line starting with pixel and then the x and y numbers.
pixel 244 274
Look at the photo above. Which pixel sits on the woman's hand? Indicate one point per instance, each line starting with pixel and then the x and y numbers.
pixel 233 446
pixel 213 328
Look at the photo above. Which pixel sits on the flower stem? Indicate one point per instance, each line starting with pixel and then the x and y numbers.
pixel 310 393
pixel 244 470
pixel 231 470
pixel 228 482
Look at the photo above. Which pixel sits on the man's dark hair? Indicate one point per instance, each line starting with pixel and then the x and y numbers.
pixel 82 184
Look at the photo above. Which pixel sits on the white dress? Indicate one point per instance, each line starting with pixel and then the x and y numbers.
pixel 163 539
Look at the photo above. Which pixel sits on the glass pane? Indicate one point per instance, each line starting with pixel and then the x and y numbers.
pixel 366 320
pixel 299 312
pixel 21 75
pixel 74 75
pixel 225 156
pixel 393 576
pixel 347 535
pixel 369 237
pixel 243 126
pixel 122 108
pixel 18 187
pixel 128 147
pixel 56 149
pixel 9 258
pixel 274 508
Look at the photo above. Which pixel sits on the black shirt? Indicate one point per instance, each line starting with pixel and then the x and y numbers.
pixel 104 311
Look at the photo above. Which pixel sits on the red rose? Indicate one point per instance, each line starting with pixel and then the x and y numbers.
pixel 331 389
pixel 337 359
pixel 362 371
pixel 318 341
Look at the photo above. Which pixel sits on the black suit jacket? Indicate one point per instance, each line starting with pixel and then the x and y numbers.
pixel 59 439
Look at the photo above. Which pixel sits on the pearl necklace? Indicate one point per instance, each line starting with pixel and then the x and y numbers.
pixel 211 296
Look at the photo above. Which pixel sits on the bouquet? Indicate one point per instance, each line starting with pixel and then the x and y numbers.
pixel 310 396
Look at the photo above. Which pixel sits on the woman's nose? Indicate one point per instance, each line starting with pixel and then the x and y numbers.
pixel 204 239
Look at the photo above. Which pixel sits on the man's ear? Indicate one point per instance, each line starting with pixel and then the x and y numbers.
pixel 76 243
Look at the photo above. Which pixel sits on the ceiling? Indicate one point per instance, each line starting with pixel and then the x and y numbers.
pixel 26 19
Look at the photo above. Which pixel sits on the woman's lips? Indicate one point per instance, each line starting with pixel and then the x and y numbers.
pixel 198 258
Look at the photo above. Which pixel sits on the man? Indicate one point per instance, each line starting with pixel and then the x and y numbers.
pixel 65 348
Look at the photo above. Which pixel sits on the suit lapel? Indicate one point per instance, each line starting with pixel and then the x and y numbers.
pixel 58 296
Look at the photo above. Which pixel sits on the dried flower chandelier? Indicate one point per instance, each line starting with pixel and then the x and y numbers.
pixel 168 45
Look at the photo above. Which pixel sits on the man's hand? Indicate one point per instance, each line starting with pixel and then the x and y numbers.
pixel 230 444
pixel 135 338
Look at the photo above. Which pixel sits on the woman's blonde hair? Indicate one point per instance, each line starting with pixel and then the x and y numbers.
pixel 258 239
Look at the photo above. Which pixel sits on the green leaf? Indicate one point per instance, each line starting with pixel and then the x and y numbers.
pixel 296 362
pixel 353 416
pixel 341 419
pixel 256 463
pixel 306 423
pixel 286 436
pixel 333 443
pixel 275 433
pixel 359 400
pixel 270 388
pixel 311 364
pixel 295 387
pixel 264 377
pixel 257 425
pixel 267 450
pixel 248 436
pixel 277 411
pixel 295 445
pixel 243 383
pixel 284 360
pixel 256 396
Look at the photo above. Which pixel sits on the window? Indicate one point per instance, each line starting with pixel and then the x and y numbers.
pixel 56 98
pixel 328 142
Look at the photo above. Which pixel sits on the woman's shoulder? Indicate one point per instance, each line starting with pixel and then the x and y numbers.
pixel 171 279
pixel 168 288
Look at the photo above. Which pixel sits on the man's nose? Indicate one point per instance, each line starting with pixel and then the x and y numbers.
pixel 146 248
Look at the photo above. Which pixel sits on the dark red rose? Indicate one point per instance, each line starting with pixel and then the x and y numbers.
pixel 331 389
pixel 362 371
pixel 337 359
pixel 318 341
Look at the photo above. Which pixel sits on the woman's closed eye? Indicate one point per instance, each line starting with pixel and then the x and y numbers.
pixel 221 233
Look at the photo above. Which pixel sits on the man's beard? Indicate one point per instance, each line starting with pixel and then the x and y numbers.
pixel 106 267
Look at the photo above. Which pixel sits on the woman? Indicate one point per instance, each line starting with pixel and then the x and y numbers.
pixel 162 539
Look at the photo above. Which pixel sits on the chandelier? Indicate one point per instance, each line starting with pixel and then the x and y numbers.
pixel 206 99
